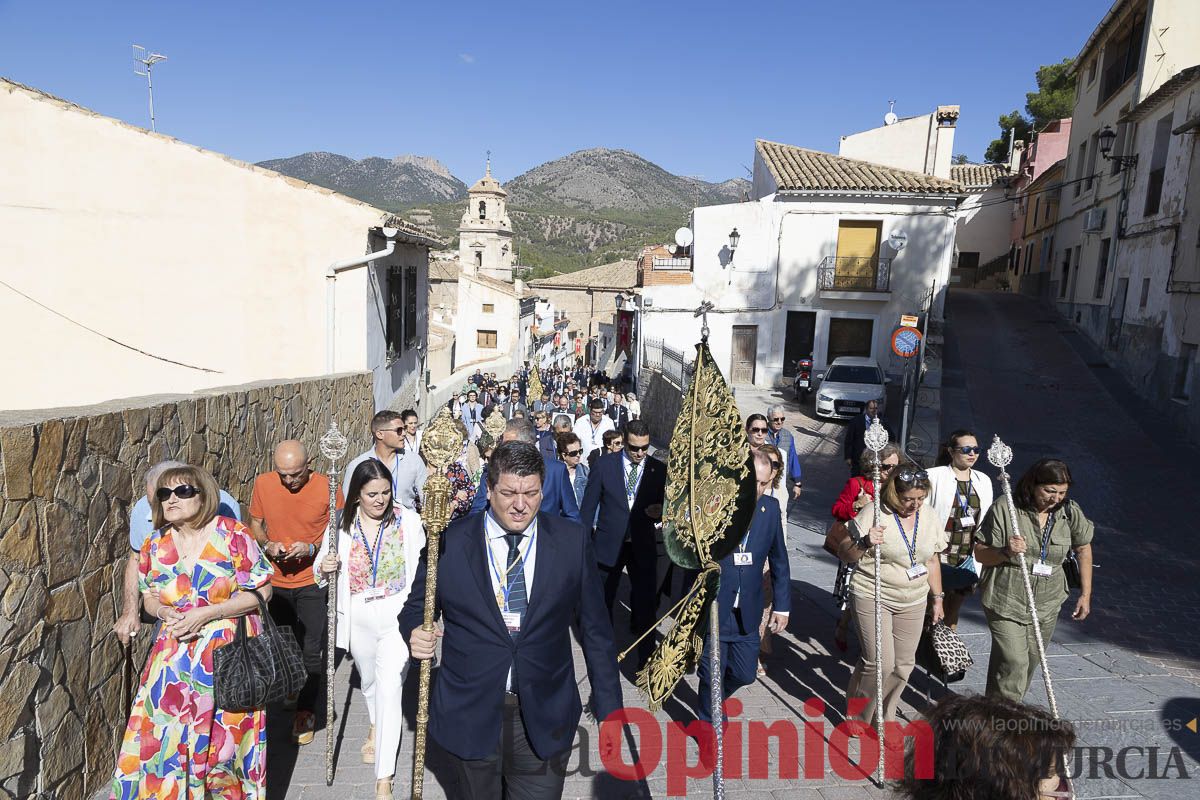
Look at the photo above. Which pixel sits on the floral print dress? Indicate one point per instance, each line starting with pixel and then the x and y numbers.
pixel 178 745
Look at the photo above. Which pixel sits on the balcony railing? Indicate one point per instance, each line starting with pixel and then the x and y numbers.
pixel 671 263
pixel 854 274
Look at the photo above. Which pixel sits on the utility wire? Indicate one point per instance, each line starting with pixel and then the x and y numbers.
pixel 105 336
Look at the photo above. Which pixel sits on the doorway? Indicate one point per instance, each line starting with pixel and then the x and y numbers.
pixel 849 337
pixel 745 353
pixel 798 341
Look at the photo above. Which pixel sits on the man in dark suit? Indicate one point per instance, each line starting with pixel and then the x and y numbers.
pixel 740 599
pixel 618 412
pixel 558 496
pixel 514 404
pixel 511 585
pixel 853 447
pixel 627 489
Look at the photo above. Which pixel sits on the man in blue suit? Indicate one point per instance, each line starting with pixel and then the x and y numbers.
pixel 627 489
pixel 511 584
pixel 740 598
pixel 558 496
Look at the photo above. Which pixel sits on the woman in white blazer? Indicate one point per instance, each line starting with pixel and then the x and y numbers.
pixel 375 564
pixel 960 495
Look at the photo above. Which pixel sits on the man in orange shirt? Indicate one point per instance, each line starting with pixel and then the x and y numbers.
pixel 289 514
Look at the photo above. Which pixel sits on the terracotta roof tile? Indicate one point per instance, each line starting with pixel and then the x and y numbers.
pixel 977 174
pixel 617 275
pixel 800 169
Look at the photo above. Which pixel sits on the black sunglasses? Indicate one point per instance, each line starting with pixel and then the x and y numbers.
pixel 637 448
pixel 183 491
pixel 777 419
pixel 572 452
pixel 758 430
pixel 969 450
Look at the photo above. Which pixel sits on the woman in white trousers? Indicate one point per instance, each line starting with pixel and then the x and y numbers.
pixel 378 548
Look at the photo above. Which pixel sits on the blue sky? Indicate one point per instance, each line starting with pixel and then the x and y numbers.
pixel 687 85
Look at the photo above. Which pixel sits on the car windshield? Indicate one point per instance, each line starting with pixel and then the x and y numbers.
pixel 848 374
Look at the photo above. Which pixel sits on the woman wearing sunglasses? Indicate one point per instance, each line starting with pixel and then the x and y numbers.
pixel 856 495
pixel 756 432
pixel 375 564
pixel 910 539
pixel 570 450
pixel 196 573
pixel 961 496
pixel 1049 527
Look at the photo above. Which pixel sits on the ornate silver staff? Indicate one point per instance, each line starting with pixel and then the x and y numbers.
pixel 714 699
pixel 876 438
pixel 333 446
pixel 440 445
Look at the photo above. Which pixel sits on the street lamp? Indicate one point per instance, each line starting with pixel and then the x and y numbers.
pixel 734 238
pixel 1105 140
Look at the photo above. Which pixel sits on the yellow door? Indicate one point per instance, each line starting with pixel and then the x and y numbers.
pixel 857 254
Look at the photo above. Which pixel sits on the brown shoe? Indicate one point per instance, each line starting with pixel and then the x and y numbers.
pixel 304 727
pixel 383 789
pixel 368 749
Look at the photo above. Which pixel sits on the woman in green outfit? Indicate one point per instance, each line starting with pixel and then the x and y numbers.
pixel 1049 526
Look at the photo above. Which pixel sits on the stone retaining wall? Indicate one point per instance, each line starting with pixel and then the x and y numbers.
pixel 661 399
pixel 67 481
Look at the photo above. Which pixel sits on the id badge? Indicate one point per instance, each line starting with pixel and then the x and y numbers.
pixel 512 620
pixel 967 521
pixel 1042 569
pixel 917 571
pixel 374 593
pixel 743 559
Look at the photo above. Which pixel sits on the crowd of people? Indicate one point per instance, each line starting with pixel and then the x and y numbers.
pixel 547 521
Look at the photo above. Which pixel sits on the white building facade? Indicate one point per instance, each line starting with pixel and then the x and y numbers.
pixel 815 269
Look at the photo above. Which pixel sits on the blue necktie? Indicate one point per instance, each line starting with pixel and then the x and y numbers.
pixel 517 597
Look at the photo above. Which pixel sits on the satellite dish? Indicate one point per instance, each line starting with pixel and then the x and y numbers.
pixel 897 240
pixel 890 118
pixel 683 237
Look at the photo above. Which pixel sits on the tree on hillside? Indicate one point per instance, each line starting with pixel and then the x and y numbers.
pixel 960 158
pixel 1054 99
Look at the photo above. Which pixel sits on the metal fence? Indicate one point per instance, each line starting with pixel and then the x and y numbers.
pixel 670 362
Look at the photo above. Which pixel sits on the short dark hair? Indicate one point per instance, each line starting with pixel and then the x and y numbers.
pixel 753 418
pixel 383 419
pixel 565 440
pixel 637 427
pixel 987 747
pixel 595 403
pixel 367 471
pixel 515 458
pixel 407 414
pixel 943 457
pixel 610 436
pixel 1047 470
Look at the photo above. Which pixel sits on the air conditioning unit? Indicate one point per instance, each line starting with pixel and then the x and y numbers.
pixel 1093 220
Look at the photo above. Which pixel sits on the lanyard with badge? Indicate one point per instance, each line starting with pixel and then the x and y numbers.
pixel 966 519
pixel 1040 567
pixel 741 556
pixel 372 592
pixel 916 570
pixel 396 481
pixel 512 619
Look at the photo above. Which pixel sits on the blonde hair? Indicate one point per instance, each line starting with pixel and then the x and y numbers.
pixel 772 452
pixel 893 487
pixel 210 495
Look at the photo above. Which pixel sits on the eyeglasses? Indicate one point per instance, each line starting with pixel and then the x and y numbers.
pixel 637 448
pixel 758 430
pixel 777 419
pixel 391 430
pixel 183 491
pixel 887 467
pixel 775 464
pixel 910 475
pixel 969 450
pixel 572 452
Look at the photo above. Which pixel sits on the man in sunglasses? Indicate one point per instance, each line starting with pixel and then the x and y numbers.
pixel 624 496
pixel 781 437
pixel 141 525
pixel 289 514
pixel 398 452
pixel 854 445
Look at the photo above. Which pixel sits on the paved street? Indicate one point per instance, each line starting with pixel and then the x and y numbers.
pixel 1128 675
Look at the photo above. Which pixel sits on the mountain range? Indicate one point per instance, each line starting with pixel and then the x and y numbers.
pixel 589 207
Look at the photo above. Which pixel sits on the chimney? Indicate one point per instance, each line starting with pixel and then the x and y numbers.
pixel 946 119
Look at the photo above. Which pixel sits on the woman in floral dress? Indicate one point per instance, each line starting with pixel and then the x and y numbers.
pixel 464 474
pixel 196 572
pixel 375 564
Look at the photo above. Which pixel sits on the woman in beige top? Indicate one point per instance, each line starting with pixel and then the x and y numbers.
pixel 910 539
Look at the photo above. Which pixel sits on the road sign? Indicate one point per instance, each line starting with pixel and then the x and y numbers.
pixel 908 320
pixel 906 342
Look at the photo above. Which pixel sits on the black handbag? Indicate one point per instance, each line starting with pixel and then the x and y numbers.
pixel 1070 568
pixel 251 671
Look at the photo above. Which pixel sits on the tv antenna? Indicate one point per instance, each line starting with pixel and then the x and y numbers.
pixel 145 63
pixel 890 117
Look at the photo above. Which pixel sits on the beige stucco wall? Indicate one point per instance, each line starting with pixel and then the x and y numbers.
pixel 170 249
pixel 67 481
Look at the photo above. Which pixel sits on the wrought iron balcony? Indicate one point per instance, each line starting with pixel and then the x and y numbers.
pixel 854 274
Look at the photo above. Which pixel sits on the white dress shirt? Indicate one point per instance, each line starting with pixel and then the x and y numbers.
pixel 592 437
pixel 494 534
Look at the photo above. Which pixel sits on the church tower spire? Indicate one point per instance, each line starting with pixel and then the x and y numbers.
pixel 485 231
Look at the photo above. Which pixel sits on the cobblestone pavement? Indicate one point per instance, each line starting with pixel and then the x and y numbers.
pixel 1126 675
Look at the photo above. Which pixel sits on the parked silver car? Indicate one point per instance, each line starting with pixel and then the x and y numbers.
pixel 848 385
